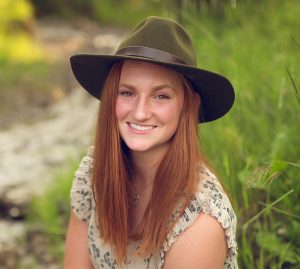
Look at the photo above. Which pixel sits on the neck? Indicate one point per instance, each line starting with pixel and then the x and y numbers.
pixel 145 164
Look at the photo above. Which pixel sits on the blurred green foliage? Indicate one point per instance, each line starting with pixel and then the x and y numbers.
pixel 126 12
pixel 19 76
pixel 48 217
pixel 17 10
pixel 16 22
pixel 255 147
pixel 65 8
pixel 122 12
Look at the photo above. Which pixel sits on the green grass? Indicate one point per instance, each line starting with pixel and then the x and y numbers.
pixel 23 76
pixel 47 219
pixel 127 13
pixel 255 148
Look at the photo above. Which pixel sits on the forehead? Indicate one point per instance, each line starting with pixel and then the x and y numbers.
pixel 141 69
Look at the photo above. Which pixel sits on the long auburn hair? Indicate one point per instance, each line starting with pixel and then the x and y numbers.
pixel 176 175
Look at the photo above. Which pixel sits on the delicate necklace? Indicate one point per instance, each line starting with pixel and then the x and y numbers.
pixel 136 195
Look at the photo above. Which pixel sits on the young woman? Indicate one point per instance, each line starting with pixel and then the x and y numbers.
pixel 144 197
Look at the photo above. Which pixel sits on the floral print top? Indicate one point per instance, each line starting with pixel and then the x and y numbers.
pixel 209 199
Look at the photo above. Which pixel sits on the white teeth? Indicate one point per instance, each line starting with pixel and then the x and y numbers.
pixel 140 127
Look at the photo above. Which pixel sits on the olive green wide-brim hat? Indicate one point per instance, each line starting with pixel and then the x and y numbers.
pixel 162 41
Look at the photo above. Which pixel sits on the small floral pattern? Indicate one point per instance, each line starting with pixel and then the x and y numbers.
pixel 209 199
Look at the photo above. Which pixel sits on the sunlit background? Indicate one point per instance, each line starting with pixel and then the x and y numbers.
pixel 47 121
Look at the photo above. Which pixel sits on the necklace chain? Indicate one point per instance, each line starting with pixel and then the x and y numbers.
pixel 136 195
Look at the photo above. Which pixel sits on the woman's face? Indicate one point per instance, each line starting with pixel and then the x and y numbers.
pixel 148 106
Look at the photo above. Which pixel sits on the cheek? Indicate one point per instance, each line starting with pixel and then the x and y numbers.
pixel 121 109
pixel 171 114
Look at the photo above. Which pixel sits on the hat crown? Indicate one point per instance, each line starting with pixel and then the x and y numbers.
pixel 162 34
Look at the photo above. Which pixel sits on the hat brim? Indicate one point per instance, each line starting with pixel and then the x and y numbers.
pixel 216 91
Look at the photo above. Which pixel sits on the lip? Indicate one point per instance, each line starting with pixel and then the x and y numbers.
pixel 135 131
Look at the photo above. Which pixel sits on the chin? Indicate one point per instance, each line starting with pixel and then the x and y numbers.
pixel 138 148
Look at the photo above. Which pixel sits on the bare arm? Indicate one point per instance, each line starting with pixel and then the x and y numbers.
pixel 76 250
pixel 203 245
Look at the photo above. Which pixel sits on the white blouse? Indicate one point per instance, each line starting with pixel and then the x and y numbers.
pixel 209 199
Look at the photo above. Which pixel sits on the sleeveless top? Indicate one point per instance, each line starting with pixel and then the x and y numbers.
pixel 209 199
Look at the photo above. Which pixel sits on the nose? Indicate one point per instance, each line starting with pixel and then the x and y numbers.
pixel 142 109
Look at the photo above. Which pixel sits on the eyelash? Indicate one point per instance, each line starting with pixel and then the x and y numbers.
pixel 126 93
pixel 163 97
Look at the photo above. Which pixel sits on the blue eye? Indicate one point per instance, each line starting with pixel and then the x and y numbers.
pixel 162 97
pixel 125 93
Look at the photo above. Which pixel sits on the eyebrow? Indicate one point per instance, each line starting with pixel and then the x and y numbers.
pixel 155 89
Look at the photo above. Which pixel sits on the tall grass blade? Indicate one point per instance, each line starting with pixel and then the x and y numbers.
pixel 294 85
pixel 279 210
pixel 294 164
pixel 296 43
pixel 254 218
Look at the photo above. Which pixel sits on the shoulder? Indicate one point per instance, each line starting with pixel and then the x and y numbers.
pixel 209 215
pixel 202 245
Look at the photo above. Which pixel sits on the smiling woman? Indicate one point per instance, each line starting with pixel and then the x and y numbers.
pixel 148 106
pixel 144 197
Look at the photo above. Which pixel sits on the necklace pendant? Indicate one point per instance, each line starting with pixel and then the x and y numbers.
pixel 136 199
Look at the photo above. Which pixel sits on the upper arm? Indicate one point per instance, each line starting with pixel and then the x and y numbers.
pixel 202 245
pixel 76 249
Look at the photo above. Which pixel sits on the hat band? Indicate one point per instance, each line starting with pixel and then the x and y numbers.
pixel 151 53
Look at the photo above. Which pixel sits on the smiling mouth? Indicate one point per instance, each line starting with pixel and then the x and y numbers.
pixel 141 127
